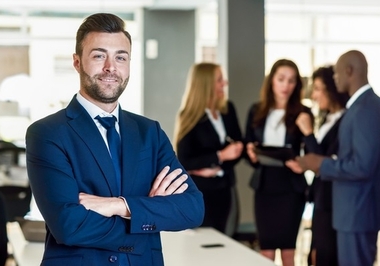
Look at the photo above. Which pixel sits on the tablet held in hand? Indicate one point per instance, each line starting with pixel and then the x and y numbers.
pixel 273 155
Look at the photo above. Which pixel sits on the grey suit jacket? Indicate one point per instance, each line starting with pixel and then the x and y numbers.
pixel 356 172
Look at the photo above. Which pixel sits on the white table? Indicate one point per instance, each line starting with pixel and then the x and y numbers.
pixel 180 248
pixel 25 253
pixel 185 248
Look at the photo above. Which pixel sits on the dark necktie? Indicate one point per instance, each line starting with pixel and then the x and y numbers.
pixel 114 145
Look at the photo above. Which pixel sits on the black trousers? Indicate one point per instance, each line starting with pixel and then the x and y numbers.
pixel 324 239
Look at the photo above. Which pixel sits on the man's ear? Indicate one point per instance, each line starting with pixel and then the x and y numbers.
pixel 349 70
pixel 76 62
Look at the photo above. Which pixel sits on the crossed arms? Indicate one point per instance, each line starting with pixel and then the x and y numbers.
pixel 74 196
pixel 165 184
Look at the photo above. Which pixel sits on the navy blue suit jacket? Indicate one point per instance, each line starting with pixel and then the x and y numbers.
pixel 356 172
pixel 67 155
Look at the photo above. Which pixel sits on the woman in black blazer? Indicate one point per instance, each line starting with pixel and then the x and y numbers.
pixel 208 141
pixel 324 142
pixel 280 193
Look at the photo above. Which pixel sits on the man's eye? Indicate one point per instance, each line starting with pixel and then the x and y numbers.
pixel 122 58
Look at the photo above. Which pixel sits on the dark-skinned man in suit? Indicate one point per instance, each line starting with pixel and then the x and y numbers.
pixel 355 172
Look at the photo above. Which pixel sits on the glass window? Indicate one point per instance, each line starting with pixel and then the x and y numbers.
pixel 314 39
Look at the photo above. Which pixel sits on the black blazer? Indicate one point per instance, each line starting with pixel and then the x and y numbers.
pixel 321 191
pixel 289 180
pixel 198 150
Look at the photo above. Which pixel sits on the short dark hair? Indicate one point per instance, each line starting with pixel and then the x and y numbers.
pixel 100 22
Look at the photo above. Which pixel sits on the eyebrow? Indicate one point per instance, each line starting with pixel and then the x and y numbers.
pixel 105 51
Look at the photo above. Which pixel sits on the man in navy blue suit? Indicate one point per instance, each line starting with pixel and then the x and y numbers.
pixel 96 213
pixel 356 170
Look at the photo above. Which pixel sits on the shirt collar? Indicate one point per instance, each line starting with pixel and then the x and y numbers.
pixel 335 116
pixel 209 114
pixel 94 110
pixel 356 95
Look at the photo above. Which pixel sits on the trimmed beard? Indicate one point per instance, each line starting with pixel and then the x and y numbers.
pixel 90 86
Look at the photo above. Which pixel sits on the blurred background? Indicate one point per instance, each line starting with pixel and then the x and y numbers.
pixel 37 39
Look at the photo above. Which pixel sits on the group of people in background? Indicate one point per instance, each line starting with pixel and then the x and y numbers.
pixel 343 150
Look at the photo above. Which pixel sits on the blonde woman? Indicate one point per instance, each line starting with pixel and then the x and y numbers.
pixel 208 140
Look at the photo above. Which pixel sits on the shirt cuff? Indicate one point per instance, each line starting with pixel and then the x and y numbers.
pixel 220 173
pixel 126 205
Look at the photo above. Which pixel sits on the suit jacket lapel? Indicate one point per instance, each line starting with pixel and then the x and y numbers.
pixel 259 132
pixel 352 108
pixel 130 142
pixel 84 126
pixel 205 125
pixel 288 138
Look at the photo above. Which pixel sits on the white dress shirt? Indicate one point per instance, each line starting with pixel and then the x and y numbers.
pixel 356 95
pixel 94 111
pixel 218 125
pixel 275 129
pixel 329 123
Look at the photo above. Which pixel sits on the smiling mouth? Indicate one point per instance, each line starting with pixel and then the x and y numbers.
pixel 111 80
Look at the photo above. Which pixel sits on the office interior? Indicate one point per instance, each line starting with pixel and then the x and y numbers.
pixel 244 36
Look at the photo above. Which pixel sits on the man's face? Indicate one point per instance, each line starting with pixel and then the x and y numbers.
pixel 104 66
pixel 340 77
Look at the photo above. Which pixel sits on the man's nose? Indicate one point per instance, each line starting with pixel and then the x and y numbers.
pixel 109 65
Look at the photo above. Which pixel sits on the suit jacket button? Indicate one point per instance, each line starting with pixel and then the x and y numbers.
pixel 113 258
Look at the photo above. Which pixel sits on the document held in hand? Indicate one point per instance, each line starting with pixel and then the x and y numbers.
pixel 274 156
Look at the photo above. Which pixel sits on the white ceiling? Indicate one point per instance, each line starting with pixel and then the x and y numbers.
pixel 327 2
pixel 128 5
pixel 98 5
pixel 324 6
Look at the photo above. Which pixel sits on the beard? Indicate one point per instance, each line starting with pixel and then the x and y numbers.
pixel 106 94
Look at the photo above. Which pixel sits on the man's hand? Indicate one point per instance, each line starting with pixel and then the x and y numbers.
pixel 206 172
pixel 164 185
pixel 106 206
pixel 310 161
pixel 294 166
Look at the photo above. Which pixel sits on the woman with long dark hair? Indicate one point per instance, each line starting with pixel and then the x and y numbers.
pixel 279 197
